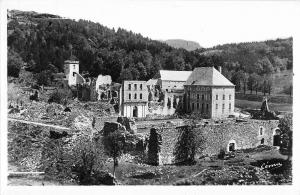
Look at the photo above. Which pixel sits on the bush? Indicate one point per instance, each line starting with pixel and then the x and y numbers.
pixel 189 143
pixel 14 63
pixel 60 97
pixel 77 159
pixel 221 154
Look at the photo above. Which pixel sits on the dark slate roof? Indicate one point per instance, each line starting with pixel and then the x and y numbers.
pixel 207 76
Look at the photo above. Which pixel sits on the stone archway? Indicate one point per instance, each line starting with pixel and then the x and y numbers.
pixel 135 111
pixel 231 147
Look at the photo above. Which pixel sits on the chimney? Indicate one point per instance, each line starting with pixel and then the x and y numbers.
pixel 220 69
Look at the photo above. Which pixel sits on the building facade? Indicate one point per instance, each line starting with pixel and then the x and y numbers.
pixel 170 80
pixel 71 68
pixel 133 99
pixel 209 93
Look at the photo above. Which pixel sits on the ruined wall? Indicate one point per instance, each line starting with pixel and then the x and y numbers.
pixel 218 135
pixel 243 134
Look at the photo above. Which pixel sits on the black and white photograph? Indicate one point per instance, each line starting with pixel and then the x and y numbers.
pixel 148 93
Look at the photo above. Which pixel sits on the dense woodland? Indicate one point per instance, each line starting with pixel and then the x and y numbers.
pixel 42 42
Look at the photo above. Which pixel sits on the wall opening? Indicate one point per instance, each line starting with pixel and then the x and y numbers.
pixel 231 147
pixel 276 137
pixel 135 112
pixel 262 141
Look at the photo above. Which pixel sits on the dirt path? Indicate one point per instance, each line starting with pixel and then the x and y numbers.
pixel 40 124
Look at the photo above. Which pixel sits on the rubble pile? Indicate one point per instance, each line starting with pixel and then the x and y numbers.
pixel 128 123
pixel 233 175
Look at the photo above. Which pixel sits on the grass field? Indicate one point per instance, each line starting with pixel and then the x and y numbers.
pixel 246 104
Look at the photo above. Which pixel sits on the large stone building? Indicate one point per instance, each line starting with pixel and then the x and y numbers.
pixel 209 93
pixel 171 81
pixel 133 99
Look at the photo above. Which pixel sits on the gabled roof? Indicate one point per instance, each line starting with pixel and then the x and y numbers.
pixel 207 76
pixel 171 75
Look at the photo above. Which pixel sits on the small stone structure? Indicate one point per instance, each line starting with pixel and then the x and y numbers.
pixel 128 123
pixel 110 127
pixel 155 142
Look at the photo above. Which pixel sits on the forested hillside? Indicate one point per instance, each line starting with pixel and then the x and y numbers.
pixel 257 64
pixel 44 41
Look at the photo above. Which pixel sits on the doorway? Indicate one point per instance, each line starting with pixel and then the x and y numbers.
pixel 231 147
pixel 276 137
pixel 135 111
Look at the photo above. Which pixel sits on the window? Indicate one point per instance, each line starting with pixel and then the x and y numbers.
pixel 207 108
pixel 216 106
pixel 262 141
pixel 223 97
pixel 198 96
pixel 74 74
pixel 216 97
pixel 229 106
pixel 202 108
pixel 193 106
pixel 135 86
pixel 229 97
pixel 202 97
pixel 141 96
pixel 261 131
pixel 129 86
pixel 74 66
pixel 129 96
pixel 197 106
pixel 141 87
pixel 223 107
pixel 135 96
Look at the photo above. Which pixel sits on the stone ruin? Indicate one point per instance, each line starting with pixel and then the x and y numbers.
pixel 128 123
pixel 264 112
pixel 133 141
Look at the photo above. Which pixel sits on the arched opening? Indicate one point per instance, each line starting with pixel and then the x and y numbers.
pixel 231 147
pixel 276 137
pixel 135 112
pixel 262 141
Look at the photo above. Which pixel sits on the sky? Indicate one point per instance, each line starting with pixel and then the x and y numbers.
pixel 208 23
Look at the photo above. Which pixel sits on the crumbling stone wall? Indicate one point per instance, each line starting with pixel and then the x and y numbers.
pixel 218 135
pixel 244 134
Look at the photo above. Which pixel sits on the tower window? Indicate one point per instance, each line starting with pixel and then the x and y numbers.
pixel 223 97
pixel 141 86
pixel 135 86
pixel 229 106
pixel 129 86
pixel 216 106
pixel 216 97
pixel 135 96
pixel 129 96
pixel 141 96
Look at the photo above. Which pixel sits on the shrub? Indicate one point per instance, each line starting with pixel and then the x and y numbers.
pixel 61 96
pixel 77 159
pixel 189 143
pixel 14 63
pixel 221 154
